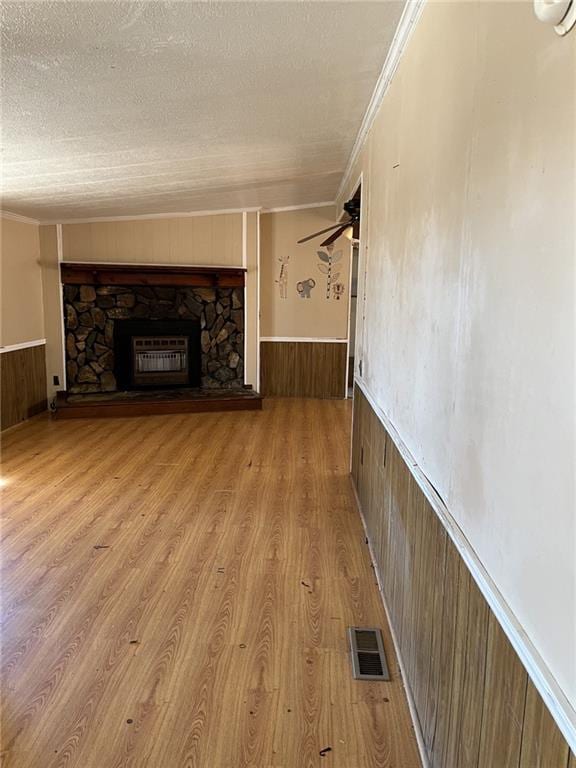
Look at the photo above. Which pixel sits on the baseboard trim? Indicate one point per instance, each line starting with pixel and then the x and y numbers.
pixel 22 345
pixel 409 696
pixel 42 416
pixel 544 681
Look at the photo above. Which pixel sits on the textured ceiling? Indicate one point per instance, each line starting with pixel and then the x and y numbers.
pixel 126 108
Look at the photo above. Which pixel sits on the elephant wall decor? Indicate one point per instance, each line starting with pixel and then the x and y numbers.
pixel 304 287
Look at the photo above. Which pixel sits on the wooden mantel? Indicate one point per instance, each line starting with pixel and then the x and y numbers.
pixel 139 274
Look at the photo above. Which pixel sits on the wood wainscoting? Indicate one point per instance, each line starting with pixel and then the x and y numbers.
pixel 22 384
pixel 476 706
pixel 303 369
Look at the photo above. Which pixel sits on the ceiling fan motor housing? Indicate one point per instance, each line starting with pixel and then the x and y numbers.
pixel 352 208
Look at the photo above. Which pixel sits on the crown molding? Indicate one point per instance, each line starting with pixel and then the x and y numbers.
pixel 151 216
pixel 179 215
pixel 17 217
pixel 285 208
pixel 406 25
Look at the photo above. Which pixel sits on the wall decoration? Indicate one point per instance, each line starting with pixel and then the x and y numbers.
pixel 304 287
pixel 328 259
pixel 338 290
pixel 283 276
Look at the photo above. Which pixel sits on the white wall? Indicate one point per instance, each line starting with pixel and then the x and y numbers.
pixel 469 341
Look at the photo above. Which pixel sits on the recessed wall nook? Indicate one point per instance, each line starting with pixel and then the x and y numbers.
pixel 151 329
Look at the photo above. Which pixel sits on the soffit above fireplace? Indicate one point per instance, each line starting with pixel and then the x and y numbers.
pixel 138 274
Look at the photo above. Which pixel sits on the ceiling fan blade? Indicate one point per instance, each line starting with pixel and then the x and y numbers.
pixel 335 235
pixel 322 231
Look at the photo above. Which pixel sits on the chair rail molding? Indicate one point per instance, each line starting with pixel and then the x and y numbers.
pixel 22 345
pixel 560 708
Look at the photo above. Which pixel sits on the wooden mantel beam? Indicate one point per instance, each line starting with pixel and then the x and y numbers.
pixel 138 274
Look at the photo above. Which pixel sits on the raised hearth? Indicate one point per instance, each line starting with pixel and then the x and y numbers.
pixel 155 402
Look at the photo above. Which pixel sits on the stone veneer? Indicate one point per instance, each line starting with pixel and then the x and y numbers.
pixel 90 312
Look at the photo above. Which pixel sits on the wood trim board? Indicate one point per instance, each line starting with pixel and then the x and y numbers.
pixel 74 273
pixel 304 339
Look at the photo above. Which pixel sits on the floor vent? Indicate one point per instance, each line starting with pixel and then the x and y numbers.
pixel 367 652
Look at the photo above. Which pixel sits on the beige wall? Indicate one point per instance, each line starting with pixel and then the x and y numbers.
pixel 293 316
pixel 251 296
pixel 52 293
pixel 202 240
pixel 21 314
pixel 469 339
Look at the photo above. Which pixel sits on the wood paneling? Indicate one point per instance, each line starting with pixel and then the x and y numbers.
pixel 503 703
pixel 183 240
pixel 466 730
pixel 23 384
pixel 476 706
pixel 546 747
pixel 176 592
pixel 303 369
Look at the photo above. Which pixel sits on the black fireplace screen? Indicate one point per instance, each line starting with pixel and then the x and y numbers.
pixel 157 353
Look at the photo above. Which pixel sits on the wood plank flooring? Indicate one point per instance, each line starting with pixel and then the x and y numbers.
pixel 175 594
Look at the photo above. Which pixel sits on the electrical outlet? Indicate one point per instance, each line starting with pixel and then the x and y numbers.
pixel 56 381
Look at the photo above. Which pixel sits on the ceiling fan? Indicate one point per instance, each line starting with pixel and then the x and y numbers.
pixel 352 208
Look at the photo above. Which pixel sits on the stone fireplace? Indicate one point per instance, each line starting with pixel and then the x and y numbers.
pixel 124 336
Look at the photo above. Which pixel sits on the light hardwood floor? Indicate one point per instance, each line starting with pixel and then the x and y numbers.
pixel 176 591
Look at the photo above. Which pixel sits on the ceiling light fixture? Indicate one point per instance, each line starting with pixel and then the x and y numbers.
pixel 560 13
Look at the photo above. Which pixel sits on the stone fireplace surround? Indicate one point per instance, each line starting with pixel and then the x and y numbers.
pixel 91 308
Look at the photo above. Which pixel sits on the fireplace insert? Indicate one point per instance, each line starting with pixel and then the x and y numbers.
pixel 157 353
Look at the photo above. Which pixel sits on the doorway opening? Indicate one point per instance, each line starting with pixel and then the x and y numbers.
pixel 353 300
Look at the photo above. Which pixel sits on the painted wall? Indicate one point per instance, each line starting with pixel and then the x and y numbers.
pixel 21 313
pixel 469 250
pixel 202 240
pixel 53 312
pixel 251 318
pixel 295 316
